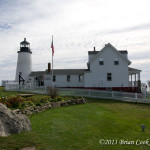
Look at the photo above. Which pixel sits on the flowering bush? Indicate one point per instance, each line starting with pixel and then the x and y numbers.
pixel 15 101
pixel 4 101
pixel 20 102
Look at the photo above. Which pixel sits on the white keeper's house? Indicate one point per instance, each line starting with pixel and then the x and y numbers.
pixel 106 69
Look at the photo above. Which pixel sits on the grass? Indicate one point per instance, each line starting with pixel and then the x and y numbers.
pixel 80 127
pixel 12 93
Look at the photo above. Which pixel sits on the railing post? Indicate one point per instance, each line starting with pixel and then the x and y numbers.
pixel 89 93
pixel 112 94
pixel 144 94
pixel 45 89
pixel 136 96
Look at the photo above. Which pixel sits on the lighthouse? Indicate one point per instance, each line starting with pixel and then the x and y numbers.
pixel 24 62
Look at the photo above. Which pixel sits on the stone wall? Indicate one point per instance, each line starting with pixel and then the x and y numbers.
pixel 46 106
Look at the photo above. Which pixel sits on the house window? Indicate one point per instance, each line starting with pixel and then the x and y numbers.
pixel 101 61
pixel 80 78
pixel 68 78
pixel 54 78
pixel 109 76
pixel 116 61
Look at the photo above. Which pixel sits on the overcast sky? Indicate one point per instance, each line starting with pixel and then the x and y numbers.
pixel 77 26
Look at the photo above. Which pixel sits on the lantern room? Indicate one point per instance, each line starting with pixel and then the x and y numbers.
pixel 25 46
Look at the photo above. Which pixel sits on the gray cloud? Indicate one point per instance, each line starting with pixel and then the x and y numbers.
pixel 77 27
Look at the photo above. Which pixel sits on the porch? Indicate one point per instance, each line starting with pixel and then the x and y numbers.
pixel 134 79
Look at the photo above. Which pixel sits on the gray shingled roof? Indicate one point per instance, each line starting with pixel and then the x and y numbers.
pixel 133 69
pixel 37 73
pixel 93 52
pixel 69 71
pixel 121 51
pixel 59 71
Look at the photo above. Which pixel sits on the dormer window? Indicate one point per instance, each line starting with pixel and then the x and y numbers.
pixel 101 61
pixel 116 61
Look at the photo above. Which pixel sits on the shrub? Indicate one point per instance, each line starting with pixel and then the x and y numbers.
pixel 45 99
pixel 32 99
pixel 38 104
pixel 52 92
pixel 3 100
pixel 26 104
pixel 59 98
pixel 15 101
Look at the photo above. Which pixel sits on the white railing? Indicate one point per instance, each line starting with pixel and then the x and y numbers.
pixel 123 96
pixel 133 83
pixel 116 95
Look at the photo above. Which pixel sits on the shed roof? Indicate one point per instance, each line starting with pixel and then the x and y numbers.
pixel 59 71
pixel 37 73
pixel 93 52
pixel 120 51
pixel 133 69
pixel 123 51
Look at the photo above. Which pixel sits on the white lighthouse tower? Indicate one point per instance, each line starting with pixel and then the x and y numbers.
pixel 24 63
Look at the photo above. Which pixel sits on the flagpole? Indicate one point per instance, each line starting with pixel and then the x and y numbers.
pixel 52 61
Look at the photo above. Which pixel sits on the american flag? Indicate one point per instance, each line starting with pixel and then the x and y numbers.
pixel 52 46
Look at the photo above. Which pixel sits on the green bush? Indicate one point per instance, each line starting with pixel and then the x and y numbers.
pixel 27 104
pixel 45 99
pixel 32 99
pixel 59 98
pixel 38 104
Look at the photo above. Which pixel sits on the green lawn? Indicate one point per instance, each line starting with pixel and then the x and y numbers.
pixel 80 127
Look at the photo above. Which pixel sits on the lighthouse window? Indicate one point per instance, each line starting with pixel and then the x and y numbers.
pixel 20 73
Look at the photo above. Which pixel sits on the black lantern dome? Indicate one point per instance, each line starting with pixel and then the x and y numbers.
pixel 25 46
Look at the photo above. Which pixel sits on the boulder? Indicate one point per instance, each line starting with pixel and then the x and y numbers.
pixel 55 104
pixel 12 123
pixel 64 104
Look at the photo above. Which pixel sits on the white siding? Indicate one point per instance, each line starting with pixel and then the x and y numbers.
pixel 97 77
pixel 91 56
pixel 61 81
pixel 24 65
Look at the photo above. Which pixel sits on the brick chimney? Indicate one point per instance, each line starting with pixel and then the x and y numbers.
pixel 94 49
pixel 49 67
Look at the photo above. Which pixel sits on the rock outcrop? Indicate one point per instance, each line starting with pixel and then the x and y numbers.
pixel 33 110
pixel 11 123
